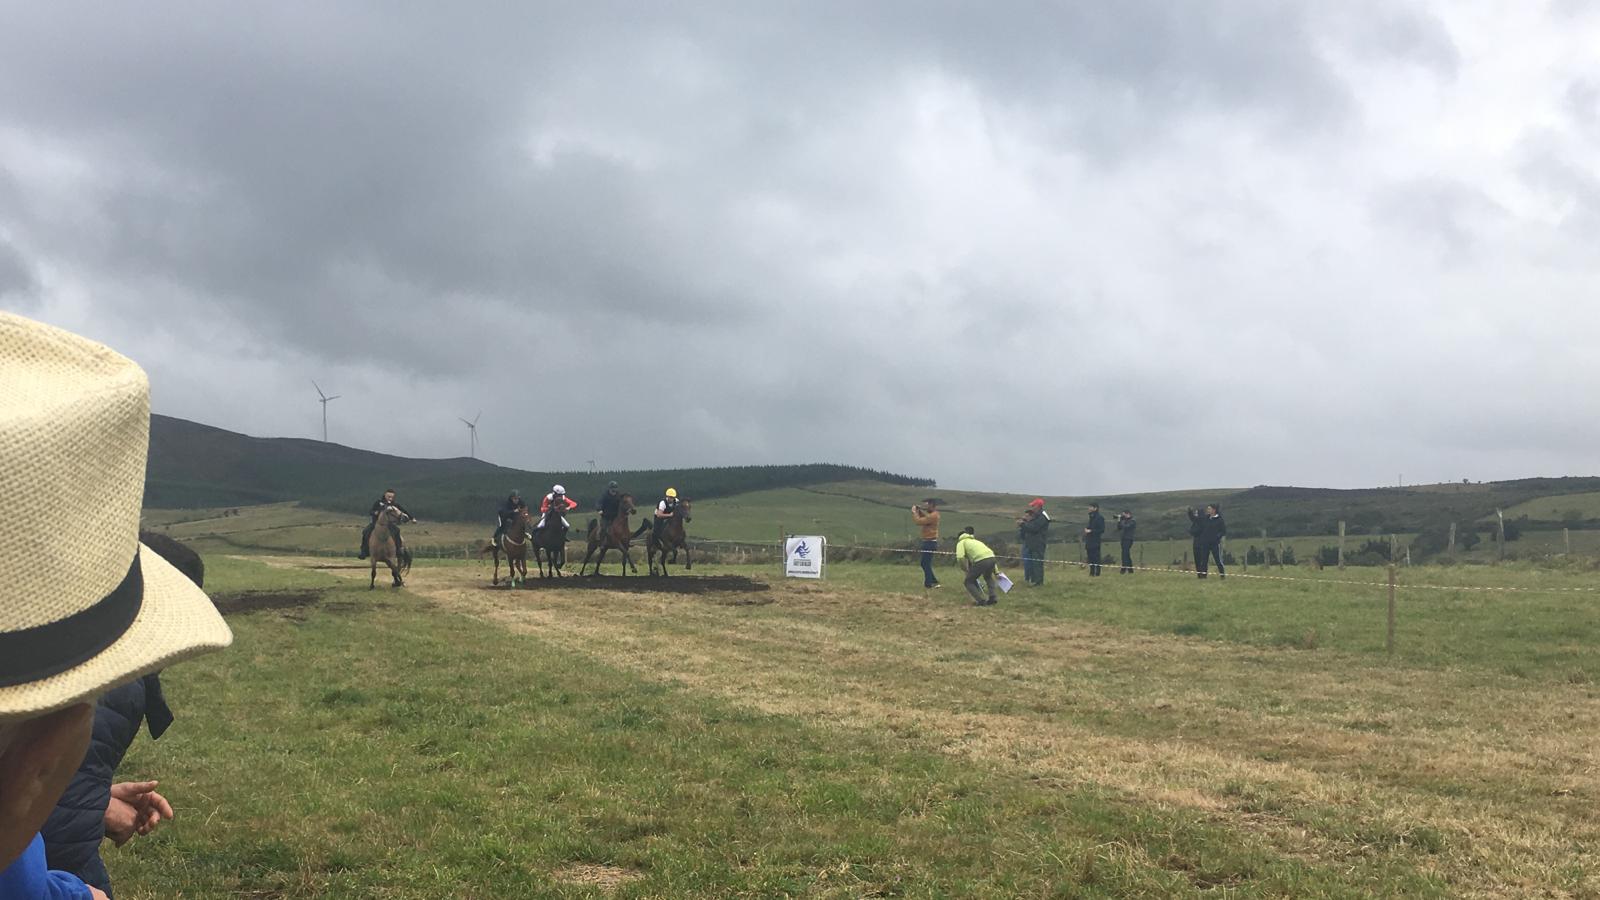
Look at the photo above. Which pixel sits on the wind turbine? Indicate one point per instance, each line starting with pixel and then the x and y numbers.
pixel 325 401
pixel 472 430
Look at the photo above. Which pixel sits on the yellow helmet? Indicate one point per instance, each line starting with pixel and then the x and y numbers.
pixel 672 492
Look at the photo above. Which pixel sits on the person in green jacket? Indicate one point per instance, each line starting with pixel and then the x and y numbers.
pixel 979 562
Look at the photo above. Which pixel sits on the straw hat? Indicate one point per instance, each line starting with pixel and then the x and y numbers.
pixel 83 605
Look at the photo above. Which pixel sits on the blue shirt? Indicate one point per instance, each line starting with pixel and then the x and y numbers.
pixel 28 879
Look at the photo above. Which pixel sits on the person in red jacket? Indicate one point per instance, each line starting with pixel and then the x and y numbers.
pixel 559 503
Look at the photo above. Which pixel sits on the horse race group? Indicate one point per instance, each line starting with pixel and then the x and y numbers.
pixel 517 533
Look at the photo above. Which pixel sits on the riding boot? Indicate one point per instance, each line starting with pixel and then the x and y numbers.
pixel 366 535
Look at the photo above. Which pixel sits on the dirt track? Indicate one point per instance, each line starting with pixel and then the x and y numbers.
pixel 635 584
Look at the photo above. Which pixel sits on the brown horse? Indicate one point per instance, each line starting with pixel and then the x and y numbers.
pixel 381 548
pixel 670 536
pixel 617 537
pixel 550 543
pixel 514 544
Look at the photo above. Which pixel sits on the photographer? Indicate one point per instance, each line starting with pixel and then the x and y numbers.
pixel 1031 530
pixel 926 516
pixel 1125 529
pixel 1208 530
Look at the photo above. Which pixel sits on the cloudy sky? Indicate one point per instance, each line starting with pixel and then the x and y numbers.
pixel 1047 247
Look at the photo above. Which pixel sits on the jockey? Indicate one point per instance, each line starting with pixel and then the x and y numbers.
pixel 609 506
pixel 508 511
pixel 378 506
pixel 559 503
pixel 665 510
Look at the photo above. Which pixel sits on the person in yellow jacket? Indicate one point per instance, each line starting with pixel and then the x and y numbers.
pixel 979 561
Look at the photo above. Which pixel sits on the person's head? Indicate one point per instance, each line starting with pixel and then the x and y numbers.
pixel 559 491
pixel 931 503
pixel 969 530
pixel 1211 509
pixel 515 495
pixel 1127 514
pixel 77 617
pixel 1036 504
pixel 1094 507
pixel 612 488
pixel 388 495
pixel 672 493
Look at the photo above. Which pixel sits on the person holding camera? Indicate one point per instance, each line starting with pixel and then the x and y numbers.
pixel 926 516
pixel 1208 530
pixel 1031 530
pixel 1125 529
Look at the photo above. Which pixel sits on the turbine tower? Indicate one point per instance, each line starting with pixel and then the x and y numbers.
pixel 472 432
pixel 325 401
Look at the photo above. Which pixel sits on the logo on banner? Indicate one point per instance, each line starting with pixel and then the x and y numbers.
pixel 803 556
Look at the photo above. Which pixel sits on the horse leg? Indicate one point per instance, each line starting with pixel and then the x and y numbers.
pixel 497 566
pixel 688 558
pixel 373 581
pixel 604 549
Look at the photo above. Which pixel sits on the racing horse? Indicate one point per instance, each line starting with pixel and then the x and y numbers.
pixel 671 536
pixel 514 544
pixel 381 548
pixel 550 543
pixel 617 537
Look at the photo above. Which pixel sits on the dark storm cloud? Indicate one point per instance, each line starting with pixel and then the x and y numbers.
pixel 1100 225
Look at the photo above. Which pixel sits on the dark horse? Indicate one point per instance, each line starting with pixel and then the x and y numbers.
pixel 380 546
pixel 550 543
pixel 618 536
pixel 514 544
pixel 670 537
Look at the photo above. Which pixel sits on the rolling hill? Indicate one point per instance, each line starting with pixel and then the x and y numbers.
pixel 194 466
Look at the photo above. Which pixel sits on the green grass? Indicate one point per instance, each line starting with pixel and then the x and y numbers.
pixel 376 744
pixel 1559 507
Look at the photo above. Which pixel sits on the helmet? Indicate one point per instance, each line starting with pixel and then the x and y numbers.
pixel 515 492
pixel 558 490
pixel 611 485
pixel 1036 504
pixel 672 492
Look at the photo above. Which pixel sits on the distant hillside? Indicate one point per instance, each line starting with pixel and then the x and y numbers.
pixel 198 466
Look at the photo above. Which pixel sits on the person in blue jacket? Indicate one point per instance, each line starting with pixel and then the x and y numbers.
pixel 93 807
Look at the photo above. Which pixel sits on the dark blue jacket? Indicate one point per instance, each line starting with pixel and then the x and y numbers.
pixel 75 828
pixel 1097 527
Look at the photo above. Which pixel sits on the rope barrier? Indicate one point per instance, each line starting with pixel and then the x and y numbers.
pixel 1171 571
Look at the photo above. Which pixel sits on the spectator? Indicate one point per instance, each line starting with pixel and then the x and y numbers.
pixel 79 615
pixel 1208 530
pixel 1091 537
pixel 979 562
pixel 1031 529
pixel 1125 529
pixel 93 808
pixel 926 515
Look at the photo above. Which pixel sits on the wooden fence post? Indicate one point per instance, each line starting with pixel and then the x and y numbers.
pixel 1389 639
pixel 1500 553
pixel 1450 548
pixel 1566 538
pixel 1341 544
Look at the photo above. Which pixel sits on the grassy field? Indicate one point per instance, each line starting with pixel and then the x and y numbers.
pixel 1554 509
pixel 1148 735
pixel 848 513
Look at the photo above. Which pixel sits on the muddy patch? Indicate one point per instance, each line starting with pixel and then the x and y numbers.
pixel 676 584
pixel 606 878
pixel 241 602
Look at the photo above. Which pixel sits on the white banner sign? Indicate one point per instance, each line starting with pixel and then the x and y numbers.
pixel 802 556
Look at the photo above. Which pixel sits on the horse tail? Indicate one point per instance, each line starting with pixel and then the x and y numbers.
pixel 405 561
pixel 643 527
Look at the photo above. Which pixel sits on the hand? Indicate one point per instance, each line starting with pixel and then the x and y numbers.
pixel 135 808
pixel 95 893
